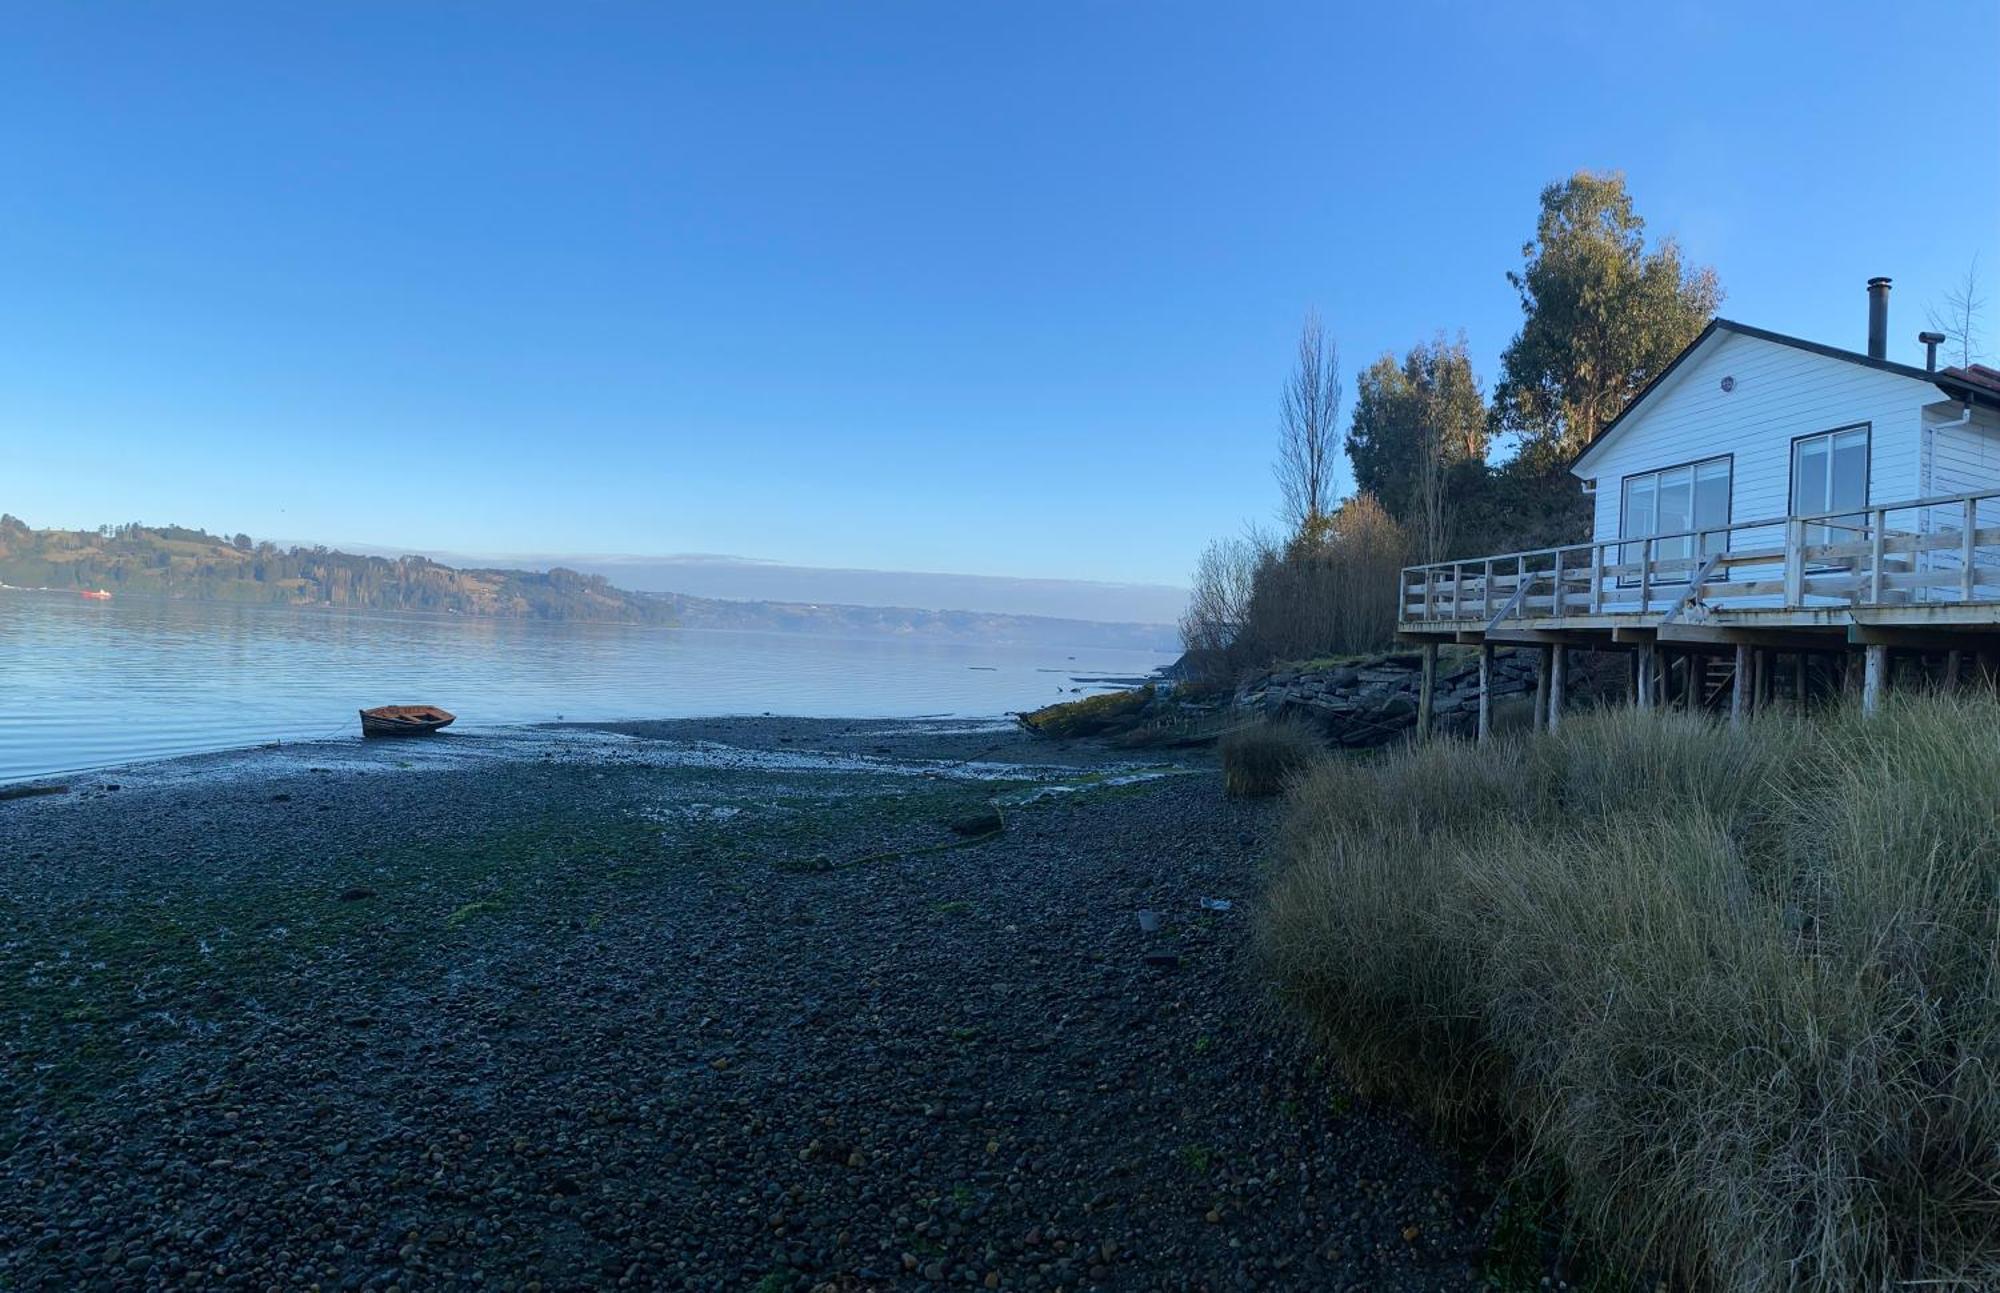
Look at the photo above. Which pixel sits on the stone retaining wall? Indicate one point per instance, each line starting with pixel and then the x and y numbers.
pixel 1372 702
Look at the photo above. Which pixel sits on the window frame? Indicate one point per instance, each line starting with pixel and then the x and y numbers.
pixel 1867 467
pixel 1728 518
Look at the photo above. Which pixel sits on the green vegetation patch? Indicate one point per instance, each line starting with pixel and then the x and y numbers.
pixel 1099 715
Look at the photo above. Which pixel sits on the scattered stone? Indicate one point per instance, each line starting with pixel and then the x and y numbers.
pixel 356 893
pixel 986 823
pixel 1149 922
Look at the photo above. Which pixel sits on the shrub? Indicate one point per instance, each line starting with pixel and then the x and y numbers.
pixel 1262 758
pixel 1111 711
pixel 1735 987
pixel 1331 589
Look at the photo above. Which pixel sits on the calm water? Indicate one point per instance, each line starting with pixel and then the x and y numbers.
pixel 86 684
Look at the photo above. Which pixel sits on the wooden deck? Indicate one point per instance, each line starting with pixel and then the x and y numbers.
pixel 1921 576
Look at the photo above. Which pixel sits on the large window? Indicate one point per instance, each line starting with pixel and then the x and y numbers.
pixel 1675 503
pixel 1830 474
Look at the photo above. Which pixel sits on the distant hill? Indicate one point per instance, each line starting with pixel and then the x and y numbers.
pixel 173 561
pixel 177 562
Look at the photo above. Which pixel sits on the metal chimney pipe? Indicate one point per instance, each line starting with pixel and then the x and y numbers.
pixel 1878 318
pixel 1930 342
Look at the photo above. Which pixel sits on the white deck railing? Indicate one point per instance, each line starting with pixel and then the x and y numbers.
pixel 1928 550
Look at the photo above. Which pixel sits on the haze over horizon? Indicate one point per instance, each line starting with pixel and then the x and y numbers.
pixel 736 578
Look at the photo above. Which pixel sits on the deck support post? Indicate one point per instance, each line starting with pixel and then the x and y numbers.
pixel 1649 667
pixel 1954 664
pixel 1485 691
pixel 1875 678
pixel 1427 692
pixel 1558 668
pixel 1739 707
pixel 1542 656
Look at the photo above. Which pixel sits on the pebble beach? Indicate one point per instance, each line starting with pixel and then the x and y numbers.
pixel 727 1004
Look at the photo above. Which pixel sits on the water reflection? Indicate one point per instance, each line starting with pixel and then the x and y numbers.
pixel 85 684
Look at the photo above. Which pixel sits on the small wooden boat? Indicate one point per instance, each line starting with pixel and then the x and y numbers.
pixel 97 595
pixel 404 720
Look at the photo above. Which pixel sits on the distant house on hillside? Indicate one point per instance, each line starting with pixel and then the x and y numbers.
pixel 1764 494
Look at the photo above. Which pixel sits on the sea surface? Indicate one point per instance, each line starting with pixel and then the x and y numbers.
pixel 91 684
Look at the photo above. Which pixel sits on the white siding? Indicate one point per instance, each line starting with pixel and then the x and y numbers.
pixel 1960 460
pixel 1964 459
pixel 1780 392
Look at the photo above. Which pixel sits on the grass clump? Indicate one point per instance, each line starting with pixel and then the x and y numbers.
pixel 1735 989
pixel 1264 757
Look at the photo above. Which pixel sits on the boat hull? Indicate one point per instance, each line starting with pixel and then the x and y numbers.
pixel 404 720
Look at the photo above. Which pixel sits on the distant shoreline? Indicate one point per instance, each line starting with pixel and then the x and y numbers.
pixel 939 639
pixel 176 563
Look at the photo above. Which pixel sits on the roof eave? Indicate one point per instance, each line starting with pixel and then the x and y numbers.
pixel 1968 392
pixel 1577 463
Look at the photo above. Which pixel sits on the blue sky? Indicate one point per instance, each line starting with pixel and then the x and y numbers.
pixel 982 288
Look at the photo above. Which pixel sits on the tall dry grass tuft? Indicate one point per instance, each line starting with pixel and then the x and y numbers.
pixel 1737 987
pixel 1264 757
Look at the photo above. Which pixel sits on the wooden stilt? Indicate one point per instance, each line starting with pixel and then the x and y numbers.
pixel 1542 655
pixel 1875 678
pixel 1558 667
pixel 1485 690
pixel 1648 665
pixel 1427 693
pixel 1954 662
pixel 1739 707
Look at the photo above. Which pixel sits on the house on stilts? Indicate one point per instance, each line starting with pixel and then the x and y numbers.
pixel 1770 513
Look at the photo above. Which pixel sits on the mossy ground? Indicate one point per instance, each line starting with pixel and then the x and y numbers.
pixel 93 984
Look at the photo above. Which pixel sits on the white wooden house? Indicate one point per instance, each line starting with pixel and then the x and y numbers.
pixel 1747 424
pixel 1763 493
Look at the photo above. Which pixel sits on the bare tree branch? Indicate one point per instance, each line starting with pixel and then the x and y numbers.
pixel 1959 317
pixel 1219 602
pixel 1308 415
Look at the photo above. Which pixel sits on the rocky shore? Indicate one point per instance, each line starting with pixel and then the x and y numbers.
pixel 1365 703
pixel 736 1004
